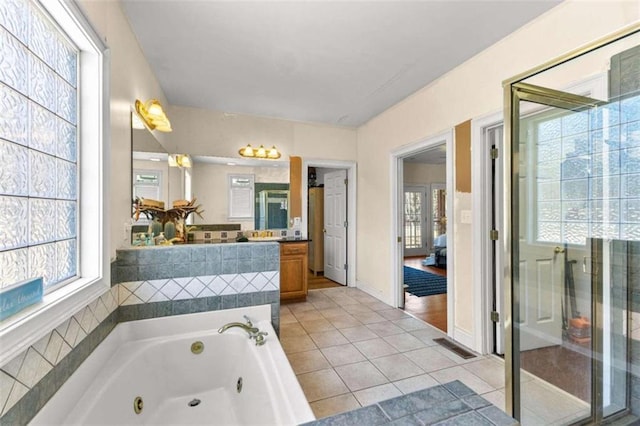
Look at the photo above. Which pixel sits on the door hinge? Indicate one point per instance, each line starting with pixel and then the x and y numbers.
pixel 495 316
pixel 346 181
pixel 494 153
pixel 399 239
pixel 346 224
pixel 345 266
pixel 493 234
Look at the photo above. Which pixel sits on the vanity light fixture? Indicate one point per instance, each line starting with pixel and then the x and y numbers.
pixel 179 160
pixel 153 115
pixel 260 152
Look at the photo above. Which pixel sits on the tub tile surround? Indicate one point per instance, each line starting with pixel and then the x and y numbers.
pixel 146 283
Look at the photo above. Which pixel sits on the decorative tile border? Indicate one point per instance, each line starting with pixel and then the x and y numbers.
pixel 26 370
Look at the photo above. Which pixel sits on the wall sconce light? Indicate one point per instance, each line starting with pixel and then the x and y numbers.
pixel 153 115
pixel 179 160
pixel 261 152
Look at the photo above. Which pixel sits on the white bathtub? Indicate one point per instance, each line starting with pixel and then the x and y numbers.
pixel 152 359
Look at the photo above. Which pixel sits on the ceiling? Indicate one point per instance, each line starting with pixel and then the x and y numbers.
pixel 334 62
pixel 435 155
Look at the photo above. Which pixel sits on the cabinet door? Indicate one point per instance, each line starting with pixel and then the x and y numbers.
pixel 292 273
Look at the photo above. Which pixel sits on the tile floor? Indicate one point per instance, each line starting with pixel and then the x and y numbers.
pixel 349 350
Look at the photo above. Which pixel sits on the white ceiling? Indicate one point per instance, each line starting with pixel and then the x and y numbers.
pixel 435 155
pixel 335 62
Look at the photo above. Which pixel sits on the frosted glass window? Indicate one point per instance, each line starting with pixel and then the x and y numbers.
pixel 39 147
pixel 587 174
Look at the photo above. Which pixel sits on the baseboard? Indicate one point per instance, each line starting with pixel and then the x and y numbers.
pixel 464 338
pixel 372 291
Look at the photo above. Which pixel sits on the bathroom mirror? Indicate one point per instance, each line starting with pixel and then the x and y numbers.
pixel 209 183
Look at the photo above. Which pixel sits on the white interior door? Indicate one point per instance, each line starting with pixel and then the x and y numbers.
pixel 335 226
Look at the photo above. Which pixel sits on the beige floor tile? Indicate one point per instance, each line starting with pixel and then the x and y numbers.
pixel 459 373
pixel 357 308
pixel 394 314
pixel 410 324
pixel 305 362
pixel 415 383
pixel 375 394
pixel 292 329
pixel 284 309
pixel 334 405
pixel 360 375
pixel 300 307
pixel 368 317
pixel 325 339
pixel 344 321
pixel 324 304
pixel 343 354
pixel 316 295
pixel 426 335
pixel 429 360
pixel 297 344
pixel 385 328
pixel 548 402
pixel 404 342
pixel 375 348
pixel 379 306
pixel 357 334
pixel 321 384
pixel 314 326
pixel 287 318
pixel 496 398
pixel 488 369
pixel 310 315
pixel 455 357
pixel 346 300
pixel 333 312
pixel 397 367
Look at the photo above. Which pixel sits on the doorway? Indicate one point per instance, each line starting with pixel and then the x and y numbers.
pixel 419 171
pixel 330 218
pixel 424 239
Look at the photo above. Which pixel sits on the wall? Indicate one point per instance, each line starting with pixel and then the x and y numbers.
pixel 471 90
pixel 210 187
pixel 206 132
pixel 424 174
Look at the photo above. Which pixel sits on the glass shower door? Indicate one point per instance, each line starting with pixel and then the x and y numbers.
pixel 569 314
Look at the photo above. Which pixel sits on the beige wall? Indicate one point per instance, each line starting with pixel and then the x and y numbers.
pixel 422 174
pixel 205 132
pixel 131 78
pixel 471 90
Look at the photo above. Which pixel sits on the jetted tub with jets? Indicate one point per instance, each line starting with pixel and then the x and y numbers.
pixel 180 370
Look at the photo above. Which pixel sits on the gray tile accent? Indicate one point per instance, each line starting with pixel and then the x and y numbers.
pixel 127 257
pixel 198 254
pixel 436 405
pixel 370 416
pixel 114 272
pixel 229 252
pixel 126 273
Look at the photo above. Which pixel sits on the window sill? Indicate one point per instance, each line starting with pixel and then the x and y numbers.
pixel 25 328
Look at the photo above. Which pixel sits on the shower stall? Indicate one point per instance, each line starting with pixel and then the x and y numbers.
pixel 572 135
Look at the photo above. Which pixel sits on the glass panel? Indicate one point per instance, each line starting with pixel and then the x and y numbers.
pixel 438 212
pixel 67 141
pixel 42 263
pixel 42 176
pixel 43 41
pixel 66 255
pixel 66 219
pixel 42 84
pixel 14 62
pixel 66 180
pixel 42 221
pixel 14 124
pixel 13 264
pixel 13 15
pixel 66 101
pixel 43 129
pixel 412 220
pixel 13 173
pixel 13 223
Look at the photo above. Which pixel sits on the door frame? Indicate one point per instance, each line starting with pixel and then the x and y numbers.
pixel 352 190
pixel 423 217
pixel 396 168
pixel 481 218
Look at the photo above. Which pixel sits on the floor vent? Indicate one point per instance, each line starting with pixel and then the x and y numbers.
pixel 463 353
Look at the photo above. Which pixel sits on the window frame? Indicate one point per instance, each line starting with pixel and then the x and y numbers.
pixel 23 329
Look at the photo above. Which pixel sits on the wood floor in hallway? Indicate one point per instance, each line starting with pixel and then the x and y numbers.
pixel 430 309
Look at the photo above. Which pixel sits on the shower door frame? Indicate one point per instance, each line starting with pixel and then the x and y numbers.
pixel 514 92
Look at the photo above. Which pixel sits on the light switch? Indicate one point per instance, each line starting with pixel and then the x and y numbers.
pixel 465 216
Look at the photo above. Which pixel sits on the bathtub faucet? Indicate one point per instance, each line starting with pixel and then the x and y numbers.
pixel 254 332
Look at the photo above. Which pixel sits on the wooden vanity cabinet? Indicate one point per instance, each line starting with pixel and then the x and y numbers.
pixel 293 270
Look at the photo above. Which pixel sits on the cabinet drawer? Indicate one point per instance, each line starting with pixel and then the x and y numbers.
pixel 288 249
